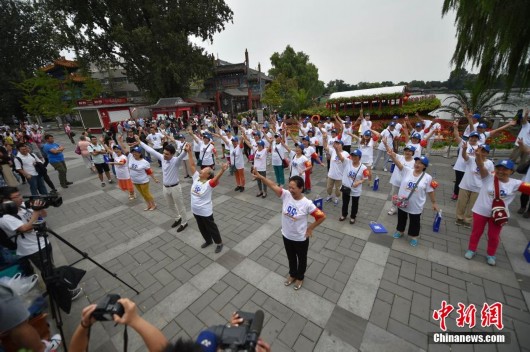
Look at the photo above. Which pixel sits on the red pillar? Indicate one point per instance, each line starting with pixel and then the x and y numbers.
pixel 249 98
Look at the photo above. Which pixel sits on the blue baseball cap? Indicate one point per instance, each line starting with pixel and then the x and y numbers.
pixel 227 129
pixel 416 135
pixel 311 130
pixel 115 146
pixel 333 130
pixel 235 139
pixel 306 138
pixel 507 163
pixel 395 117
pixel 261 143
pixel 418 124
pixel 299 145
pixel 367 133
pixel 410 147
pixel 392 124
pixel 136 150
pixel 486 147
pixel 356 152
pixel 181 136
pixel 277 135
pixel 476 116
pixel 423 159
pixel 207 135
pixel 482 125
pixel 474 134
pixel 338 141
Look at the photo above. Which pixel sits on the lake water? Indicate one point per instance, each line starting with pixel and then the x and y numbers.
pixel 520 101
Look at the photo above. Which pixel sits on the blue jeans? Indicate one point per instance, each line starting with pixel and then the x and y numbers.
pixel 37 186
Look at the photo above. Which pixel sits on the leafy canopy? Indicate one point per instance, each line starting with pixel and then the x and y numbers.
pixel 148 38
pixel 493 35
pixel 28 42
pixel 478 100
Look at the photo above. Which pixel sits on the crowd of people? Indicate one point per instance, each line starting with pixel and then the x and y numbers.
pixel 131 150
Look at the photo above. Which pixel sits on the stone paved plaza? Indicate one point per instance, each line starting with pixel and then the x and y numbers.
pixel 362 292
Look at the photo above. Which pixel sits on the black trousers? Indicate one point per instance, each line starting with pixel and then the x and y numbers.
pixel 208 229
pixel 354 205
pixel 347 148
pixel 459 175
pixel 320 150
pixel 297 257
pixel 414 224
pixel 524 200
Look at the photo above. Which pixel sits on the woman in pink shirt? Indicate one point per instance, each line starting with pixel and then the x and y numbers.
pixel 83 146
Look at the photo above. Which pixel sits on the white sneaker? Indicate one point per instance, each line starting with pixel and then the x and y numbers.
pixel 392 211
pixel 53 344
pixel 328 199
pixel 336 201
pixel 385 169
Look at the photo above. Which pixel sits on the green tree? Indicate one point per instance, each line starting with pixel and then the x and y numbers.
pixel 28 42
pixel 338 85
pixel 296 65
pixel 278 93
pixel 478 100
pixel 494 36
pixel 148 38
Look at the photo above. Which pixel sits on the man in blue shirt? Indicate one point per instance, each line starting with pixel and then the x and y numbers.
pixel 56 158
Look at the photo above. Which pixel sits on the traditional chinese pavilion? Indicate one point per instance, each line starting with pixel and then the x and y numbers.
pixel 374 98
pixel 235 87
pixel 172 107
pixel 66 70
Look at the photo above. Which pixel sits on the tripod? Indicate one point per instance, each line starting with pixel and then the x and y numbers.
pixel 49 273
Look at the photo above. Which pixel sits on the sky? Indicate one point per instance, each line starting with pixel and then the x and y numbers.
pixel 352 40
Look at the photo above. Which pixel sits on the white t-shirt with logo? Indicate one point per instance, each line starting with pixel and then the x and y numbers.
pixel 201 196
pixel 137 170
pixel 298 165
pixel 206 153
pixel 155 139
pixel 366 125
pixel 507 192
pixel 417 200
pixel 395 179
pixel 236 156
pixel 260 159
pixel 276 151
pixel 390 135
pixel 346 138
pixel 328 126
pixel 368 152
pixel 460 164
pixel 472 181
pixel 336 167
pixel 122 170
pixel 353 174
pixel 294 216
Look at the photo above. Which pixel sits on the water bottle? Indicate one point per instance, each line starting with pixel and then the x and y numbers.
pixel 376 183
pixel 392 167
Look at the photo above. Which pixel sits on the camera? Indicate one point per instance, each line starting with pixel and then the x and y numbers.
pixel 47 200
pixel 107 307
pixel 239 338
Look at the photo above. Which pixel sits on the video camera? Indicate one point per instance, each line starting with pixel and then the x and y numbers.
pixel 235 338
pixel 107 307
pixel 53 200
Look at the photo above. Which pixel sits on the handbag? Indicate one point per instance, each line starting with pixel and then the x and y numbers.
pixel 523 168
pixel 498 208
pixel 346 189
pixel 77 150
pixel 403 202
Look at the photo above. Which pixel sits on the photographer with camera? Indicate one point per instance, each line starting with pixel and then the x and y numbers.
pixel 152 337
pixel 17 222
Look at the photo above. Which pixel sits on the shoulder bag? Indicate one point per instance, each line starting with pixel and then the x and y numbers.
pixel 403 202
pixel 199 162
pixel 498 208
pixel 285 163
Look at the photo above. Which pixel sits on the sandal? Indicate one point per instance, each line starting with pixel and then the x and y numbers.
pixel 342 218
pixel 298 285
pixel 152 208
pixel 352 221
pixel 289 281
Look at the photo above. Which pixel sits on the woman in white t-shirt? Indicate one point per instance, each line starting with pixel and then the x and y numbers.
pixel 366 146
pixel 260 164
pixel 122 171
pixel 204 182
pixel 295 229
pixel 407 160
pixel 299 162
pixel 140 170
pixel 470 185
pixel 180 144
pixel 353 176
pixel 524 197
pixel 236 161
pixel 508 188
pixel 415 185
pixel 460 165
pixel 278 150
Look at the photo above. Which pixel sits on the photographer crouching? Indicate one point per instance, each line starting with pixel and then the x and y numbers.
pixel 17 222
pixel 123 311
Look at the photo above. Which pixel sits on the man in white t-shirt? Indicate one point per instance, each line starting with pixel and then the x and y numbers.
pixel 156 140
pixel 17 223
pixel 335 169
pixel 25 164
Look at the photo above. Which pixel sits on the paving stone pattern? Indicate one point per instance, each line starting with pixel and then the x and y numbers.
pixel 184 289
